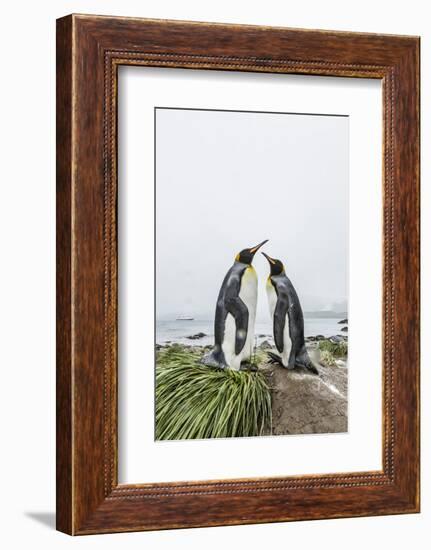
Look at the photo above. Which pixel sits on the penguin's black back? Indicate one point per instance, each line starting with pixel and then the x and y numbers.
pixel 229 290
pixel 290 305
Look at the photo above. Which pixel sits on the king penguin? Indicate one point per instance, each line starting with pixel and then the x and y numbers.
pixel 288 319
pixel 235 314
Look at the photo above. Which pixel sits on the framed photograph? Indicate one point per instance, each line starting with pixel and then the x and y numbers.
pixel 237 274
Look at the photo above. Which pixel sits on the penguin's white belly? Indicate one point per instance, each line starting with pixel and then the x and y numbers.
pixel 248 294
pixel 287 343
pixel 272 301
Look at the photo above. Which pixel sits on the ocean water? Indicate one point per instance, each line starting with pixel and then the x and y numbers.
pixel 174 331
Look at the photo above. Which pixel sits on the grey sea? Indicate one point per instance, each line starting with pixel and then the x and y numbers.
pixel 180 331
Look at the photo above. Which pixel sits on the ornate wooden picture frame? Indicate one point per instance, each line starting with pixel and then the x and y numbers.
pixel 89 51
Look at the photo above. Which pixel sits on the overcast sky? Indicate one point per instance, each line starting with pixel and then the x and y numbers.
pixel 228 180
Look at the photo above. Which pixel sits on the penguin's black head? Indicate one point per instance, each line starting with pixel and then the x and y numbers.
pixel 246 256
pixel 277 267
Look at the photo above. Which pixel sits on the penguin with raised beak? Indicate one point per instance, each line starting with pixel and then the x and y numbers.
pixel 235 314
pixel 288 319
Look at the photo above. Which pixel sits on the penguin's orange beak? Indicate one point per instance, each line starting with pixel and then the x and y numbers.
pixel 256 248
pixel 270 260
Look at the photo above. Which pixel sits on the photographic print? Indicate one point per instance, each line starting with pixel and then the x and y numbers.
pixel 251 273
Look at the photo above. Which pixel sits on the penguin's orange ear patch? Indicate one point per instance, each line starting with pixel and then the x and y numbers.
pixel 237 257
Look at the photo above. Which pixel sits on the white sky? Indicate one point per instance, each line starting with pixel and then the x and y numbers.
pixel 228 180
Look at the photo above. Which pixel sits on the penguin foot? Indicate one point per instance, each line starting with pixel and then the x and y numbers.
pixel 209 361
pixel 313 369
pixel 303 360
pixel 274 358
pixel 218 366
pixel 309 367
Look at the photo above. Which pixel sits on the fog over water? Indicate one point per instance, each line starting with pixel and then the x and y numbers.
pixel 228 180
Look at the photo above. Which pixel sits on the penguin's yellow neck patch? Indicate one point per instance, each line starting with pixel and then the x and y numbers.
pixel 250 273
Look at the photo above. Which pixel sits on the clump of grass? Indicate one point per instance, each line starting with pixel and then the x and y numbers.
pixel 337 349
pixel 194 401
pixel 327 358
pixel 257 358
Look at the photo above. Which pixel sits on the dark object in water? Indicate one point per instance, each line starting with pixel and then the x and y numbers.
pixel 343 322
pixel 197 336
pixel 344 329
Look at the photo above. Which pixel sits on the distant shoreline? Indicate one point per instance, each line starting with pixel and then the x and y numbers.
pixel 309 314
pixel 186 332
pixel 325 314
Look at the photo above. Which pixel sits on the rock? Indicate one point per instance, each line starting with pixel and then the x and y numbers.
pixel 310 339
pixel 343 322
pixel 320 337
pixel 304 403
pixel 265 345
pixel 197 336
pixel 344 329
pixel 336 339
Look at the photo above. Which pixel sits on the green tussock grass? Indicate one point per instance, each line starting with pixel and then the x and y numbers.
pixel 335 349
pixel 330 351
pixel 194 401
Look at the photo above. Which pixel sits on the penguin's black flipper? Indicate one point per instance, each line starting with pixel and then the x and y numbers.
pixel 280 312
pixel 236 307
